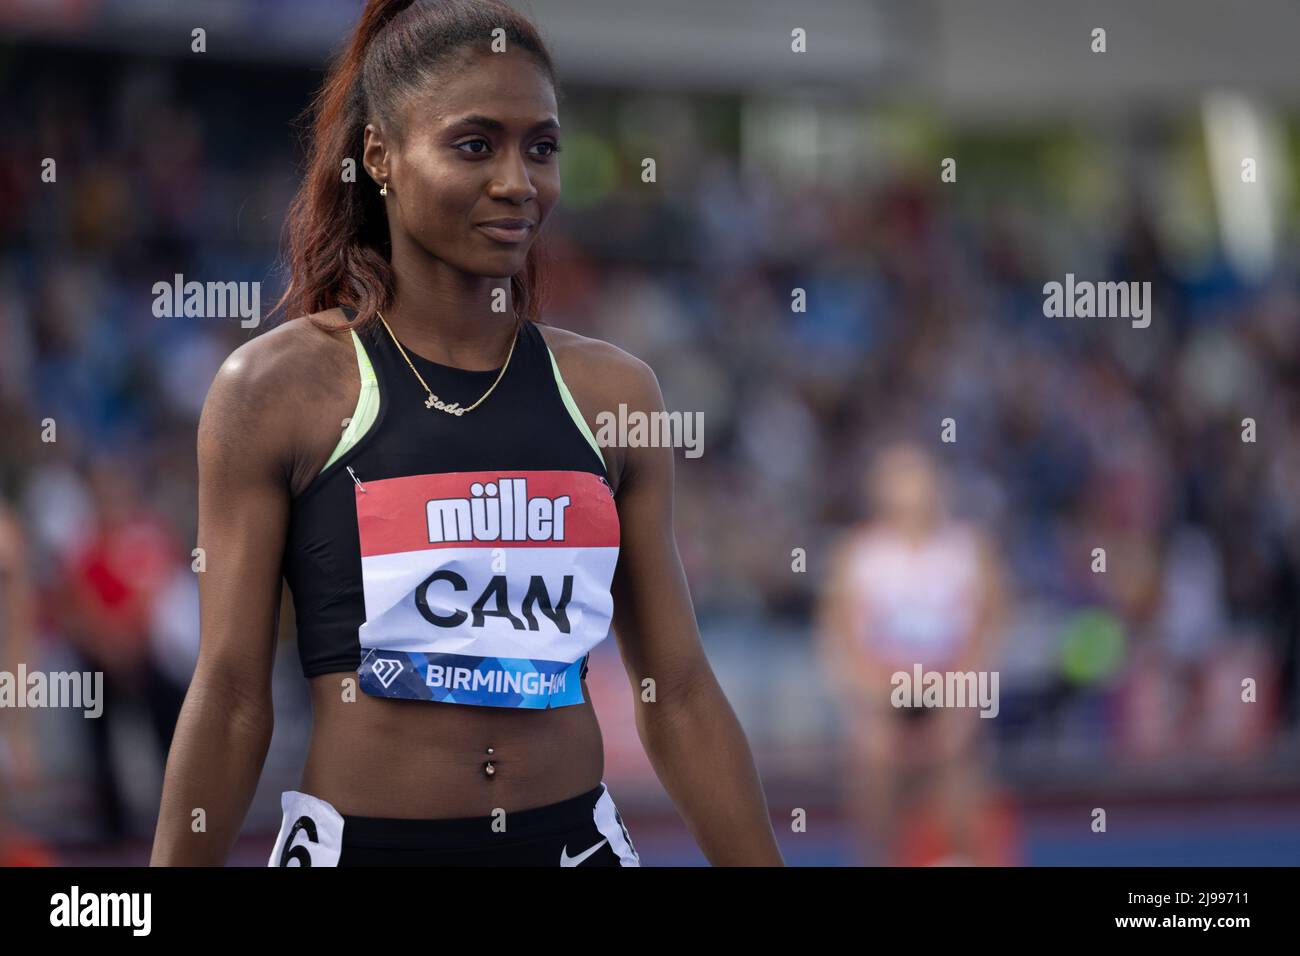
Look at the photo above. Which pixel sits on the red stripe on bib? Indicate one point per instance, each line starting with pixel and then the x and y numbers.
pixel 488 509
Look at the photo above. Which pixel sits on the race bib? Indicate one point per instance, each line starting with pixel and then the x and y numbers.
pixel 485 588
pixel 311 832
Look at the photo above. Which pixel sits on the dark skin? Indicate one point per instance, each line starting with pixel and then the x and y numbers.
pixel 271 420
pixel 17 626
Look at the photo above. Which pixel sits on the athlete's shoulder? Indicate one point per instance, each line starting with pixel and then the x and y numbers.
pixel 286 348
pixel 266 379
pixel 602 369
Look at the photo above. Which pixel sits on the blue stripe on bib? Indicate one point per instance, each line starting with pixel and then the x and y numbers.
pixel 461 679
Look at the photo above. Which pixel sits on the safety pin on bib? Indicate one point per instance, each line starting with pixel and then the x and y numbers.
pixel 356 479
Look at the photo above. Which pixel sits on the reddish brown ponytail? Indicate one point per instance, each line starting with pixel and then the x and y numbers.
pixel 337 231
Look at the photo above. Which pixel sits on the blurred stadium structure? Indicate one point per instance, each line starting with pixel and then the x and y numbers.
pixel 776 170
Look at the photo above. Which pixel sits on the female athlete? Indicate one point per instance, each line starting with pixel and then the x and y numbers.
pixel 455 554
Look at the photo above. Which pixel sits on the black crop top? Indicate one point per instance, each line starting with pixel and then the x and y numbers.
pixel 462 559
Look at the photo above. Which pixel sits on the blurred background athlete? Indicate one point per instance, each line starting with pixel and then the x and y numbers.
pixel 912 585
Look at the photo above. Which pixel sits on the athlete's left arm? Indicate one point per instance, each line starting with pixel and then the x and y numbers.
pixel 688 729
pixel 989 627
pixel 17 632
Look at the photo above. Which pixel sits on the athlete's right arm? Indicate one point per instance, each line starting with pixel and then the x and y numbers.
pixel 224 728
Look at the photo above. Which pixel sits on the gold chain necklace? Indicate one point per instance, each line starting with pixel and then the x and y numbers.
pixel 433 401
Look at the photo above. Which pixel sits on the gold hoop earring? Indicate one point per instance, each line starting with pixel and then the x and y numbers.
pixel 383 190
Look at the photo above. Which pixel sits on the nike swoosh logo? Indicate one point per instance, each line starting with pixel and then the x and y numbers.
pixel 566 860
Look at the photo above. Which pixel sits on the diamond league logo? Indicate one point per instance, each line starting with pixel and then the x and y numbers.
pixel 386 670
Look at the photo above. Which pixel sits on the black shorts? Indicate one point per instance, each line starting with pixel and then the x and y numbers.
pixel 586 830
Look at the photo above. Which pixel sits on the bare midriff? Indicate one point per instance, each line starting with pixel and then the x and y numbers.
pixel 410 759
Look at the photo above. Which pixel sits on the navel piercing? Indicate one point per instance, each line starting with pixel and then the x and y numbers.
pixel 489 768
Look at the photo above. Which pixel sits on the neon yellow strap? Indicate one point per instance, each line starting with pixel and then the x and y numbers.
pixel 367 409
pixel 574 412
pixel 363 416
